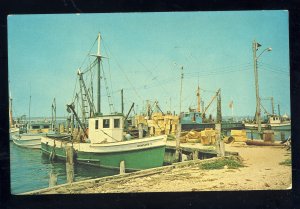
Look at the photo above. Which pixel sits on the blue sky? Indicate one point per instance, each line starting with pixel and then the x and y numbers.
pixel 146 51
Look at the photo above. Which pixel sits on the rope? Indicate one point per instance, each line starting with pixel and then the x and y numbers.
pixel 109 136
pixel 89 52
pixel 119 66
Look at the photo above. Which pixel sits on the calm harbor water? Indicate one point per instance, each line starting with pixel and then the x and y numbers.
pixel 30 170
pixel 277 134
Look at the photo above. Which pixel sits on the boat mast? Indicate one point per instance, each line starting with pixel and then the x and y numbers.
pixel 199 99
pixel 272 103
pixel 181 79
pixel 11 122
pixel 29 113
pixel 99 77
pixel 53 114
pixel 122 102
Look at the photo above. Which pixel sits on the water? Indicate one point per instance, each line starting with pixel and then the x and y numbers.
pixel 277 134
pixel 30 170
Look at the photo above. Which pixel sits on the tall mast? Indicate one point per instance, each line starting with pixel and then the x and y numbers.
pixel 272 104
pixel 11 122
pixel 99 77
pixel 181 89
pixel 29 112
pixel 122 102
pixel 199 99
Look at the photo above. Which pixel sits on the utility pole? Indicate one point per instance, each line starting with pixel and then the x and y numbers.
pixel 255 46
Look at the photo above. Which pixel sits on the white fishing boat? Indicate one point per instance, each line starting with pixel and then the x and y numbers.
pixel 279 123
pixel 105 142
pixel 32 138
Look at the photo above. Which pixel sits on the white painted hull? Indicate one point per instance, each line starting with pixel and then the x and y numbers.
pixel 124 146
pixel 13 131
pixel 32 141
pixel 281 126
pixel 254 126
pixel 274 126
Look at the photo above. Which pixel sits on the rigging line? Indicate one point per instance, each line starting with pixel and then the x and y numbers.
pixel 74 91
pixel 109 135
pixel 111 107
pixel 89 52
pixel 88 68
pixel 141 99
pixel 111 88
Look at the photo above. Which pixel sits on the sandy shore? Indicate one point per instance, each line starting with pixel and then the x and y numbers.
pixel 262 171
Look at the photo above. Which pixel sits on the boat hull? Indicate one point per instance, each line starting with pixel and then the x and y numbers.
pixel 251 126
pixel 32 141
pixel 281 126
pixel 137 154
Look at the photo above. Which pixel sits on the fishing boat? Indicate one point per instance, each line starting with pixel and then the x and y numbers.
pixel 32 137
pixel 196 120
pixel 254 126
pixel 103 140
pixel 13 129
pixel 279 123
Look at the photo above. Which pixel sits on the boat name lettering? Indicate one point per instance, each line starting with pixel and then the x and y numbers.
pixel 144 145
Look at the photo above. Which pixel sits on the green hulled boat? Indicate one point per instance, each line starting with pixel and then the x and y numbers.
pixel 105 142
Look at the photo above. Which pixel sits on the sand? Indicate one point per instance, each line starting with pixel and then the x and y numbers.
pixel 262 171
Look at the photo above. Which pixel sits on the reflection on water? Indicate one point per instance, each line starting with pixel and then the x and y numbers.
pixel 278 134
pixel 29 170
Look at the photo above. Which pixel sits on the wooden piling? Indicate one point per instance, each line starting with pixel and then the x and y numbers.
pixel 251 134
pixel 52 179
pixel 220 147
pixel 195 155
pixel 141 130
pixel 70 164
pixel 122 167
pixel 177 152
pixel 282 136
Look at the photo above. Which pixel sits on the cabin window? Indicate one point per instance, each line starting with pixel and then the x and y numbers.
pixel 35 127
pixel 96 124
pixel 46 126
pixel 117 123
pixel 105 123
